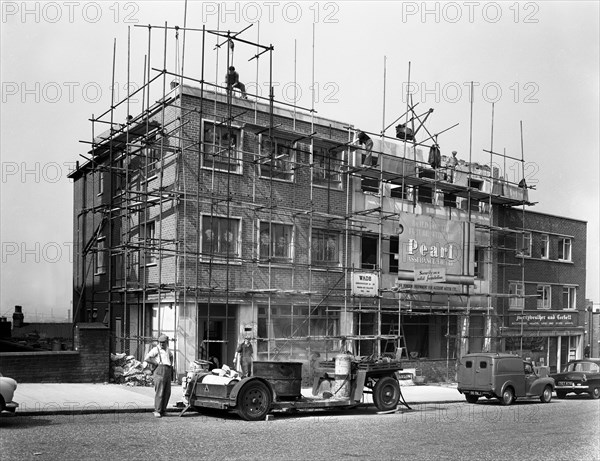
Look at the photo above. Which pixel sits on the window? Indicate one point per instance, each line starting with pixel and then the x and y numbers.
pixel 543 300
pixel 101 179
pixel 101 257
pixel 399 192
pixel 369 184
pixel 564 249
pixel 156 144
pixel 275 242
pixel 482 364
pixel 368 252
pixel 545 246
pixel 394 253
pixel 220 236
pixel 523 246
pixel 149 240
pixel 516 289
pixel 325 248
pixel 221 147
pixel 450 200
pixel 326 168
pixel 424 192
pixel 469 364
pixel 478 263
pixel 276 158
pixel 569 298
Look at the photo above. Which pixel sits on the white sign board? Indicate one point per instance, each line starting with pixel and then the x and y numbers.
pixel 365 284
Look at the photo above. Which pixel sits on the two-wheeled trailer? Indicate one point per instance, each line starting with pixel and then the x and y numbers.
pixel 277 386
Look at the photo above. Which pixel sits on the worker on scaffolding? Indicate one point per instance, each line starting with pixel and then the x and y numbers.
pixel 233 81
pixel 366 143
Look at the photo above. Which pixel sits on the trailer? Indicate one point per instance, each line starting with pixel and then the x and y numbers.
pixel 274 385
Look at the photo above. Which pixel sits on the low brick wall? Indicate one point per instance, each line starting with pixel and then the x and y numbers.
pixel 88 363
pixel 433 371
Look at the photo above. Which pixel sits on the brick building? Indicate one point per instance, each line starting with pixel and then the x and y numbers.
pixel 542 258
pixel 210 217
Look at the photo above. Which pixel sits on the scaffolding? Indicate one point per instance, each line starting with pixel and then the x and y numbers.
pixel 174 193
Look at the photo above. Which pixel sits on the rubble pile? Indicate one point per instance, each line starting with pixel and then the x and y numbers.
pixel 125 369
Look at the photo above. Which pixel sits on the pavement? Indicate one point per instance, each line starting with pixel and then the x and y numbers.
pixel 70 398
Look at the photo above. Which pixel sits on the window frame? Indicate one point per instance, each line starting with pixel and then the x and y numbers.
pixel 525 240
pixel 518 289
pixel 101 257
pixel 269 226
pixel 277 174
pixel 219 220
pixel 565 243
pixel 149 236
pixel 545 246
pixel 326 235
pixel 230 165
pixel 571 296
pixel 331 176
pixel 545 302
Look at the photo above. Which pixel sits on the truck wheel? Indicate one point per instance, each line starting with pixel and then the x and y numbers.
pixel 254 401
pixel 508 396
pixel 546 395
pixel 472 398
pixel 386 393
pixel 561 394
pixel 595 393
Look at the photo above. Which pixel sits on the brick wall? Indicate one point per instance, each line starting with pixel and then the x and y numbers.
pixel 88 363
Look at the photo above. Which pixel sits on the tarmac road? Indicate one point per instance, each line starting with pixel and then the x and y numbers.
pixel 562 429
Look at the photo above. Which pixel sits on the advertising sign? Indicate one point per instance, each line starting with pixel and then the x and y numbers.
pixel 432 248
pixel 365 284
pixel 543 319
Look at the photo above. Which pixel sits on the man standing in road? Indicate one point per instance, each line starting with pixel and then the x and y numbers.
pixel 163 357
pixel 245 354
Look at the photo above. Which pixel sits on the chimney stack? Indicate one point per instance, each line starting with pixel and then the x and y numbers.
pixel 18 317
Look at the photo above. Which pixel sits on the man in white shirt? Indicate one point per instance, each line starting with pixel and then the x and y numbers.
pixel 163 357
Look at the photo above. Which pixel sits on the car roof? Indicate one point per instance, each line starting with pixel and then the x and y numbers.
pixel 593 360
pixel 493 355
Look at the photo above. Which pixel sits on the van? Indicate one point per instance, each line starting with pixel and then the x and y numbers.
pixel 502 376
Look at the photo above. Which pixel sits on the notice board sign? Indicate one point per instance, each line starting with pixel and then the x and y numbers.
pixel 365 284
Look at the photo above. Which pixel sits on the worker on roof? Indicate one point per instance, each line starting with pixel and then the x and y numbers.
pixel 233 81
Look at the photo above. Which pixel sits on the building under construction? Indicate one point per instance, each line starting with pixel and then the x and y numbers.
pixel 211 217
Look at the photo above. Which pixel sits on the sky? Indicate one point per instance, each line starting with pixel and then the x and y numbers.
pixel 537 63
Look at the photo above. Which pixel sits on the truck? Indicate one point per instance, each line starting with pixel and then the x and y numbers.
pixel 276 385
pixel 502 376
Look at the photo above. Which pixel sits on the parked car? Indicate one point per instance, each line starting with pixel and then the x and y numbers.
pixel 7 391
pixel 502 376
pixel 579 376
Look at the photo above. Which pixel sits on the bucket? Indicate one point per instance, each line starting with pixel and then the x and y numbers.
pixel 343 369
pixel 285 377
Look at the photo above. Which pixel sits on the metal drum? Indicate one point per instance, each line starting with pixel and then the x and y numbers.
pixel 343 370
pixel 285 377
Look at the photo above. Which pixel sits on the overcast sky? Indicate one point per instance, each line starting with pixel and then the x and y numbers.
pixel 538 62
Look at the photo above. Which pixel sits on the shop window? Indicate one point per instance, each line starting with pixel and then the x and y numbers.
pixel 564 249
pixel 544 246
pixel 569 298
pixel 543 296
pixel 516 290
pixel 221 147
pixel 220 236
pixel 327 167
pixel 276 158
pixel 325 248
pixel 369 246
pixel 275 242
